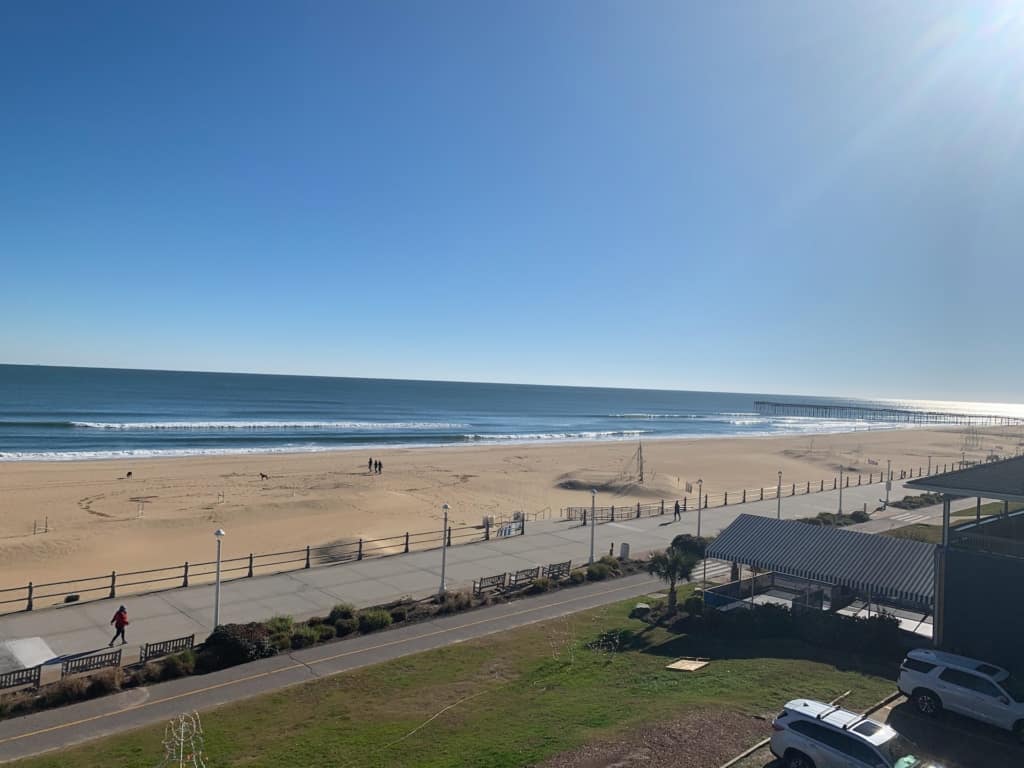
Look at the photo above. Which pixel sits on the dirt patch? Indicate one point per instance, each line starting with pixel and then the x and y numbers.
pixel 699 739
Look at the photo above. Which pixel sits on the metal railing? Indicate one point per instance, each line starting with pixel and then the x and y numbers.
pixel 31 595
pixel 708 499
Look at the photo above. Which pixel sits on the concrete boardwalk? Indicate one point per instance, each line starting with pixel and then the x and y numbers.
pixel 84 627
pixel 64 727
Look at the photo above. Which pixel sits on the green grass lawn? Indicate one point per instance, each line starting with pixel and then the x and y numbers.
pixel 991 508
pixel 525 694
pixel 932 534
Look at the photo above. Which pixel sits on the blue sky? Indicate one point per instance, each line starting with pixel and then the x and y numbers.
pixel 794 197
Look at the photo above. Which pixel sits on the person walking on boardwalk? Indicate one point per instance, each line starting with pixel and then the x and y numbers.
pixel 676 514
pixel 120 621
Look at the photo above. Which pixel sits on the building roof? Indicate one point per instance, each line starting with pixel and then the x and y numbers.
pixel 995 480
pixel 874 565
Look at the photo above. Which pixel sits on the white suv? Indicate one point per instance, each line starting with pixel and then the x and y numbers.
pixel 935 680
pixel 811 734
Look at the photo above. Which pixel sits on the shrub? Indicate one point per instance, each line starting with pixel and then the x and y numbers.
pixel 178 665
pixel 280 625
pixel 454 602
pixel 281 640
pixel 341 611
pixel 302 636
pixel 343 627
pixel 399 614
pixel 694 605
pixel 578 576
pixel 372 619
pixel 104 682
pixel 597 572
pixel 62 692
pixel 316 621
pixel 233 644
pixel 859 516
pixel 538 585
pixel 613 563
pixel 323 632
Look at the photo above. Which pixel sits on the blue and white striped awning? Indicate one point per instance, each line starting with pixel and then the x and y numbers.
pixel 875 565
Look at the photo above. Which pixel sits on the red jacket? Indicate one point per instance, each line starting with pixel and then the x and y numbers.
pixel 120 619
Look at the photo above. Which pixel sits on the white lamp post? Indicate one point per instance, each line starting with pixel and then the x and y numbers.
pixel 778 498
pixel 593 521
pixel 219 534
pixel 444 549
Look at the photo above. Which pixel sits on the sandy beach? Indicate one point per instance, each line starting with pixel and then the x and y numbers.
pixel 95 525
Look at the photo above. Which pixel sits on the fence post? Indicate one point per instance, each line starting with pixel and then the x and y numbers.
pixel 522 527
pixel 113 583
pixel 705 501
pixel 487 535
pixel 613 513
pixel 726 502
pixel 744 496
pixel 762 494
pixel 29 606
pixel 250 565
pixel 663 506
pixel 359 554
pixel 821 487
pixel 307 555
pixel 808 488
pixel 584 519
pixel 449 535
pixel 792 491
pixel 184 580
pixel 847 481
pixel 638 510
pixel 835 483
pixel 684 503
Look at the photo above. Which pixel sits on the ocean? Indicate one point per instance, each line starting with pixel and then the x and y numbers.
pixel 55 413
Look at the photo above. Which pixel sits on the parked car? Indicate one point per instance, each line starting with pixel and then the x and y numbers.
pixel 812 734
pixel 935 680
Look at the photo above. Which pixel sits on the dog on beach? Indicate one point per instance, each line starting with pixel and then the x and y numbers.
pixel 127 475
pixel 264 476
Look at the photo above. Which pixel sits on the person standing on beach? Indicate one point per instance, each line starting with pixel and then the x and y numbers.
pixel 369 465
pixel 120 621
pixel 676 514
pixel 380 467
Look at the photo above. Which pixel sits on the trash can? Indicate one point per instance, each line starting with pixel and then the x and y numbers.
pixel 624 551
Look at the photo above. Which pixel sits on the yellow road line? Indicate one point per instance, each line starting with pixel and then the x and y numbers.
pixel 291 667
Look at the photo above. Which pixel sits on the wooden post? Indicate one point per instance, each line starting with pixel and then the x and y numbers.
pixel 113 583
pixel 449 539
pixel 184 580
pixel 705 501
pixel 638 510
pixel 684 503
pixel 307 555
pixel 359 553
pixel 792 491
pixel 250 564
pixel 522 525
pixel 835 483
pixel 487 535
pixel 30 590
pixel 822 486
pixel 744 501
pixel 613 513
pixel 726 503
pixel 663 506
pixel 808 488
pixel 762 494
pixel 859 479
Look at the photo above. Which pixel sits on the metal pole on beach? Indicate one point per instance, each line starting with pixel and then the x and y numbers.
pixel 219 534
pixel 593 521
pixel 444 549
pixel 778 498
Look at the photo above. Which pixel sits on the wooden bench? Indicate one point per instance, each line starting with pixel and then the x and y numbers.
pixel 489 584
pixel 524 577
pixel 165 647
pixel 558 571
pixel 21 678
pixel 90 663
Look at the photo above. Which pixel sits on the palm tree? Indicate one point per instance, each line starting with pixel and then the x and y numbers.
pixel 672 566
